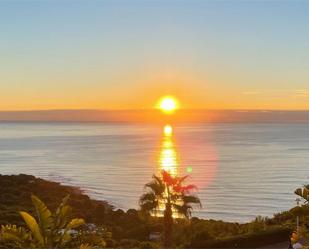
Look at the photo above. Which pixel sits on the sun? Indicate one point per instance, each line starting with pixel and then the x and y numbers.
pixel 168 104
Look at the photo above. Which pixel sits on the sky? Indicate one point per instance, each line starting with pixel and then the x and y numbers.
pixel 127 54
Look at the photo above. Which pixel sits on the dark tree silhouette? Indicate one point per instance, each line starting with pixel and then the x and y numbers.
pixel 168 196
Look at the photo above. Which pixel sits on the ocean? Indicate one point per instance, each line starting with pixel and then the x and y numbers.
pixel 240 170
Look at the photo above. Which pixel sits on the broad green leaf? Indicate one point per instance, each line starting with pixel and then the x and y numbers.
pixel 63 216
pixel 33 226
pixel 62 204
pixel 75 223
pixel 43 213
pixel 63 213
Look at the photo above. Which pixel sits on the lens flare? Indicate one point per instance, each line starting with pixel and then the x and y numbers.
pixel 189 169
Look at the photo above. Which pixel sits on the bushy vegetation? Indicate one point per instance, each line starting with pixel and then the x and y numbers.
pixel 47 230
pixel 132 228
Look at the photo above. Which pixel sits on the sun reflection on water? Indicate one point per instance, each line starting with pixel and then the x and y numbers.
pixel 168 159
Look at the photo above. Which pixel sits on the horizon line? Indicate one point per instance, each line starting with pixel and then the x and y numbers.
pixel 154 109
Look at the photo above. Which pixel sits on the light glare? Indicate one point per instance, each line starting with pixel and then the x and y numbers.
pixel 168 104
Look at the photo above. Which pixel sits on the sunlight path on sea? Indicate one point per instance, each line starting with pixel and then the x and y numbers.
pixel 168 159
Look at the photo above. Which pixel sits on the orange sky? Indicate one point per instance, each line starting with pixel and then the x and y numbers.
pixel 104 55
pixel 145 96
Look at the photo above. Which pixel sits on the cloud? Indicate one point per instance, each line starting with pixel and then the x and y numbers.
pixel 301 93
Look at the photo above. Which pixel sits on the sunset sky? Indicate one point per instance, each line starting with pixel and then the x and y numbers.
pixel 127 54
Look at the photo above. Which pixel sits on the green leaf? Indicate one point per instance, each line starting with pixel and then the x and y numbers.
pixel 43 213
pixel 63 216
pixel 63 213
pixel 62 204
pixel 13 233
pixel 33 226
pixel 75 223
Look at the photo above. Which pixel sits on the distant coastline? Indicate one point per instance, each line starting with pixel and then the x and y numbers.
pixel 155 116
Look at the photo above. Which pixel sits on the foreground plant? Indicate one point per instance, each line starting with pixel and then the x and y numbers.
pixel 167 194
pixel 47 231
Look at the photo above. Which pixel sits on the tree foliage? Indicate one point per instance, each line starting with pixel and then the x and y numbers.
pixel 168 195
pixel 47 230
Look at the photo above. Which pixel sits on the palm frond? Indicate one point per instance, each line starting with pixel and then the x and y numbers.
pixel 147 197
pixel 156 185
pixel 184 209
pixel 158 179
pixel 149 206
pixel 191 199
pixel 168 190
pixel 175 197
pixel 189 188
pixel 180 180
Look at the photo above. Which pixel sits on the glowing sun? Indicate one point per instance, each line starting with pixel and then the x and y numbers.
pixel 168 104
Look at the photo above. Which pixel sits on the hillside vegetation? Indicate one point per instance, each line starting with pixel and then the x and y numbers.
pixel 132 228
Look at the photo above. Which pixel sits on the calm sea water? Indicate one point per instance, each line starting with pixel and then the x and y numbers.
pixel 241 170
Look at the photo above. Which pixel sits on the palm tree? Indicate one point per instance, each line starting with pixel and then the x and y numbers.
pixel 168 196
pixel 47 231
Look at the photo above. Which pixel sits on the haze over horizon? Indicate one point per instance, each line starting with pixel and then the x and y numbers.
pixel 154 116
pixel 127 54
